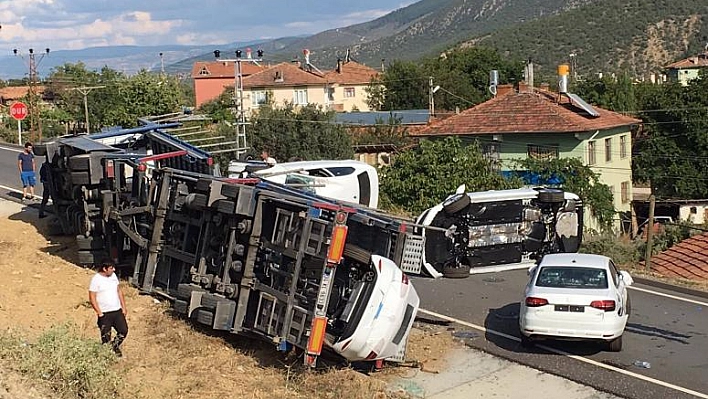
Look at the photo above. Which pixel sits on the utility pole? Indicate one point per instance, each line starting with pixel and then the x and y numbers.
pixel 650 233
pixel 162 65
pixel 85 91
pixel 241 142
pixel 431 96
pixel 34 108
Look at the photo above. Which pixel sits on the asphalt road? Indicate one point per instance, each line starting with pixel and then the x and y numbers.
pixel 671 334
pixel 9 174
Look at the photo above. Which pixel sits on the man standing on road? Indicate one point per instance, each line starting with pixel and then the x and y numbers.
pixel 27 166
pixel 108 302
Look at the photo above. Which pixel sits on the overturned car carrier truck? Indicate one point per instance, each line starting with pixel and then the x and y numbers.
pixel 241 255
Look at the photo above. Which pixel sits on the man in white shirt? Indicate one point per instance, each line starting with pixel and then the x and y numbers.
pixel 265 156
pixel 108 302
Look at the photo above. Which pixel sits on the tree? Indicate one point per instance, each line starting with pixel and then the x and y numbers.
pixel 577 178
pixel 422 177
pixel 304 132
pixel 404 85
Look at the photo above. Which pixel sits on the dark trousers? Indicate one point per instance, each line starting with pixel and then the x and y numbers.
pixel 110 320
pixel 46 193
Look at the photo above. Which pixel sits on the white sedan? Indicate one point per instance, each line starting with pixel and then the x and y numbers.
pixel 575 297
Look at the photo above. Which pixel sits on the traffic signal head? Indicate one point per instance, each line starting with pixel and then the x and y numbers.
pixel 238 53
pixel 259 53
pixel 217 53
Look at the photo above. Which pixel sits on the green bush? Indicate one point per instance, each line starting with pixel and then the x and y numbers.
pixel 71 366
pixel 623 252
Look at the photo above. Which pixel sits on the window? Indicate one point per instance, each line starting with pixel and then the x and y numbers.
pixel 491 151
pixel 625 192
pixel 204 72
pixel 542 151
pixel 349 92
pixel 300 96
pixel 608 149
pixel 572 277
pixel 591 153
pixel 329 91
pixel 259 97
pixel 623 146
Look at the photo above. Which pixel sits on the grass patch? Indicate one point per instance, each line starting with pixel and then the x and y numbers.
pixel 73 367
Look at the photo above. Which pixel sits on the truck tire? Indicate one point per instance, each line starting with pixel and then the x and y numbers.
pixel 180 307
pixel 80 178
pixel 225 206
pixel 204 316
pixel 551 195
pixel 456 271
pixel 230 190
pixel 80 163
pixel 184 291
pixel 210 301
pixel 456 203
pixel 196 201
pixel 89 243
pixel 88 258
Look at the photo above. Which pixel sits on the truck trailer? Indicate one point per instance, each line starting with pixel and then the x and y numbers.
pixel 243 255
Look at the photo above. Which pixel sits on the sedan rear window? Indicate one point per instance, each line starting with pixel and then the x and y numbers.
pixel 572 277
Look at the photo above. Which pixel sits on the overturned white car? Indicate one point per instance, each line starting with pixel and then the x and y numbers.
pixel 498 230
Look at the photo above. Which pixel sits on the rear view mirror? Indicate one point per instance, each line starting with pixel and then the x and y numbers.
pixel 626 277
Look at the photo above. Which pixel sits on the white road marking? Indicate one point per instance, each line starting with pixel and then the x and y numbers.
pixel 570 355
pixel 678 298
pixel 11 189
pixel 11 149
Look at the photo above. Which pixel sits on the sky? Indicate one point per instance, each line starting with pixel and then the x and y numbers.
pixel 78 24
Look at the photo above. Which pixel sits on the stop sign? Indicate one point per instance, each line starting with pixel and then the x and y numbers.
pixel 19 111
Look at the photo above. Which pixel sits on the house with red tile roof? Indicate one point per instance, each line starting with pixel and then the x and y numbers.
pixel 688 259
pixel 341 89
pixel 685 70
pixel 212 78
pixel 526 122
pixel 10 94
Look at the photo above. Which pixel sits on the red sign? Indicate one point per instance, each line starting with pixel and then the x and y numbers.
pixel 19 111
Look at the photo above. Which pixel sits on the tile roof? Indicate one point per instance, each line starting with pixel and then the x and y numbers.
pixel 223 69
pixel 526 112
pixel 285 74
pixel 351 72
pixel 688 259
pixel 17 92
pixel 697 61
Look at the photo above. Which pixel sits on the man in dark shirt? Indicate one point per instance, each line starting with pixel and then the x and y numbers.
pixel 46 189
pixel 26 165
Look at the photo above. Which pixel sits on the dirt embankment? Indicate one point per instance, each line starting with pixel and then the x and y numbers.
pixel 42 287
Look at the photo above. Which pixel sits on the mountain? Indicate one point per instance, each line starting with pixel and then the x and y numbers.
pixel 638 36
pixel 128 59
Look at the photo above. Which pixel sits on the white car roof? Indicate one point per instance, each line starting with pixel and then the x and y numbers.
pixel 575 260
pixel 304 165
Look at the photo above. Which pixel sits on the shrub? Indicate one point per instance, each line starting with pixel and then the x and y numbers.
pixel 71 366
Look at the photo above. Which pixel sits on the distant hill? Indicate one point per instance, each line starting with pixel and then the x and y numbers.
pixel 638 36
pixel 604 35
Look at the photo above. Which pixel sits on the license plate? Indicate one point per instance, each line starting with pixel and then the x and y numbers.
pixel 569 308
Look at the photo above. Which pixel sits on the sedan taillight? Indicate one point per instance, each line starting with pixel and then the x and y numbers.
pixel 534 302
pixel 606 305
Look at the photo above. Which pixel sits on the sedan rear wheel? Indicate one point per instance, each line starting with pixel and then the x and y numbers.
pixel 615 345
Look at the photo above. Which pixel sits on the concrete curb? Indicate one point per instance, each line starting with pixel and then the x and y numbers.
pixel 667 286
